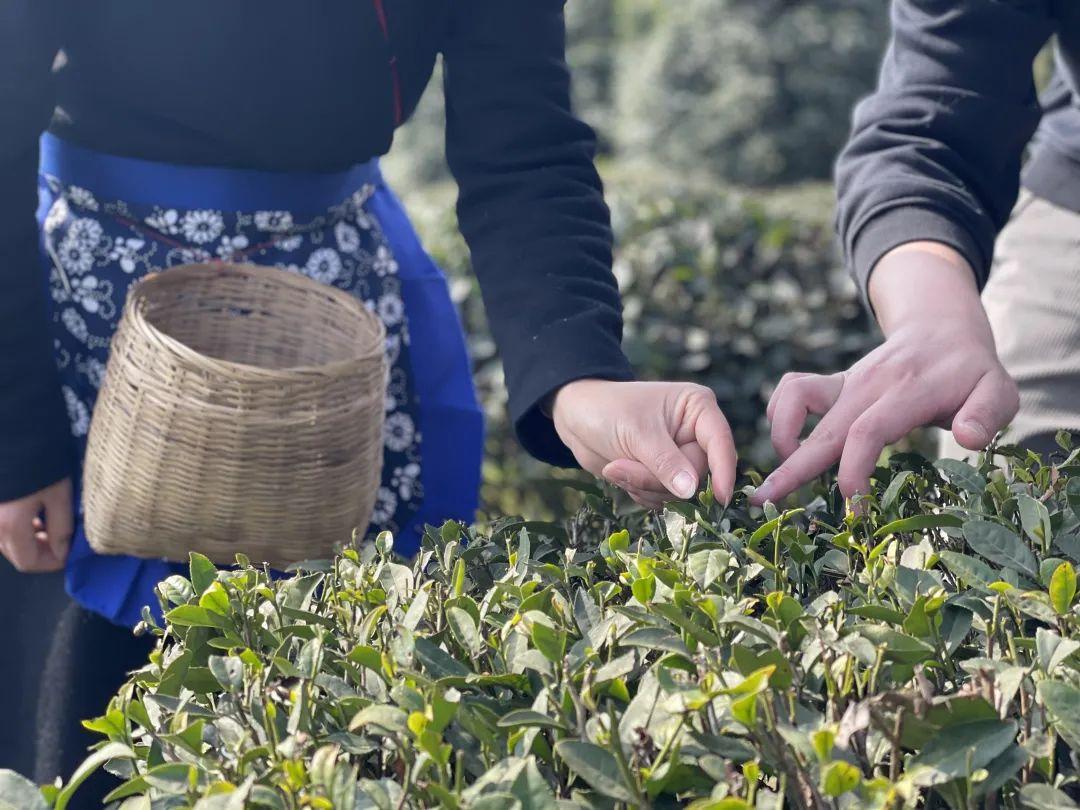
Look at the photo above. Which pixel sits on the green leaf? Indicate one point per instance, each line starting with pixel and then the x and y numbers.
pixel 550 642
pixel 919 523
pixel 1035 519
pixel 228 670
pixel 896 485
pixel 464 629
pixel 438 662
pixel 17 793
pixel 1000 545
pixel 839 777
pixel 195 616
pixel 528 717
pixel 88 766
pixel 457 580
pixel 1062 700
pixel 416 610
pixel 708 566
pixel 881 613
pixel 1063 588
pixel 897 646
pixel 969 569
pixel 1045 797
pixel 962 475
pixel 654 638
pixel 388 718
pixel 367 657
pixel 619 541
pixel 961 752
pixel 203 572
pixel 596 766
pixel 644 588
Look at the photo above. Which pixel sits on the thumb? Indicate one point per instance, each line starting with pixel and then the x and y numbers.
pixel 671 467
pixel 990 406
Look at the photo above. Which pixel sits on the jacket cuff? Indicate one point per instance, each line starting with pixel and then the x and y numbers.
pixel 38 458
pixel 558 362
pixel 899 226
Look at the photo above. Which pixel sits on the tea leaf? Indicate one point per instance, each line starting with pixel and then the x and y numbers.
pixel 1000 545
pixel 528 717
pixel 596 766
pixel 203 572
pixel 1062 700
pixel 17 793
pixel 1063 588
pixel 962 474
pixel 387 718
pixel 464 630
pixel 961 752
pixel 1045 797
pixel 840 777
pixel 1035 519
pixel 550 642
pixel 919 523
pixel 896 485
pixel 108 752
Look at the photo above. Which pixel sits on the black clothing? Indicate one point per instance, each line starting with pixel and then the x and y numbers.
pixel 279 85
pixel 936 151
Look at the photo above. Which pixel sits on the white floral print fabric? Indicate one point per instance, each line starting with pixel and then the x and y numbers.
pixel 98 248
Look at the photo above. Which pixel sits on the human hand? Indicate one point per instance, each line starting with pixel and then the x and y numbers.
pixel 34 545
pixel 656 440
pixel 938 365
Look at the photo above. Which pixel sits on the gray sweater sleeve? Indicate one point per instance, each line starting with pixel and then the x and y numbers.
pixel 935 152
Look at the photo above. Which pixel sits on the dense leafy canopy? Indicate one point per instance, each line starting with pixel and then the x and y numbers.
pixel 919 649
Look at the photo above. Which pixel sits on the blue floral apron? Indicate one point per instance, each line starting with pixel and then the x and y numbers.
pixel 106 221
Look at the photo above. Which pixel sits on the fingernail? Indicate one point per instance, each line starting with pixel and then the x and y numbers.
pixel 981 433
pixel 764 492
pixel 684 484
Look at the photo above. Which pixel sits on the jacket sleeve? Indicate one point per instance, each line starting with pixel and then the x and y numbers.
pixel 935 152
pixel 531 207
pixel 35 440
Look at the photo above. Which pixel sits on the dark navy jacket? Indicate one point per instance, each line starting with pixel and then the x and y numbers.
pixel 287 85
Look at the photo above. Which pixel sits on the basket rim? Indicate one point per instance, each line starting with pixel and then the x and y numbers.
pixel 139 295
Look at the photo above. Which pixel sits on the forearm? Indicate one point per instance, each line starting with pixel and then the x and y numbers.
pixel 935 152
pixel 925 281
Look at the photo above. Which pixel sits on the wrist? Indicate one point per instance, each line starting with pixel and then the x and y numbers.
pixel 923 281
pixel 562 393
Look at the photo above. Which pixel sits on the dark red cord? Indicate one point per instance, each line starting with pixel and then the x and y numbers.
pixel 395 76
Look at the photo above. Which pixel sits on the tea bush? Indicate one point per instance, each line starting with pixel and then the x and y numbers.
pixel 920 649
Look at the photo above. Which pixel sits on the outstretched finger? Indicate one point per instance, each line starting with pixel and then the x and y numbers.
pixel 820 451
pixel 791 376
pixel 713 435
pixel 888 420
pixel 810 394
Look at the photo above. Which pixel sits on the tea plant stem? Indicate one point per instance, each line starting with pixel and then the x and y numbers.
pixel 992 631
pixel 669 742
pixel 640 800
pixel 894 757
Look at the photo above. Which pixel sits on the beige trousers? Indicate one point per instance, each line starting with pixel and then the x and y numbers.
pixel 1033 302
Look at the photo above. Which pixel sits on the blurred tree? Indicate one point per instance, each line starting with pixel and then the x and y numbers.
pixel 591 46
pixel 755 91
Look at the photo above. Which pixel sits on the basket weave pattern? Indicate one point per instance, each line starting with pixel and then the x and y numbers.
pixel 241 411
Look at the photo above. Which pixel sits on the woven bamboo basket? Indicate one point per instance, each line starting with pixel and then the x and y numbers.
pixel 241 411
